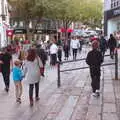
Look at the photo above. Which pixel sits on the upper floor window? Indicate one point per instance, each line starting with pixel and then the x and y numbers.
pixel 115 3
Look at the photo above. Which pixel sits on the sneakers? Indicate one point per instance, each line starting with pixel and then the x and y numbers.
pixel 96 94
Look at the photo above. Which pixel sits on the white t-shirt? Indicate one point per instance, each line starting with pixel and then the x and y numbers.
pixel 53 49
pixel 75 44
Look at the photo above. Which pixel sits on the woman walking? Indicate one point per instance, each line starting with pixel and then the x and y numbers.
pixel 33 65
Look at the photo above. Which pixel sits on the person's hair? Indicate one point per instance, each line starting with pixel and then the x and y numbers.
pixel 31 55
pixel 17 62
pixel 111 35
pixel 95 44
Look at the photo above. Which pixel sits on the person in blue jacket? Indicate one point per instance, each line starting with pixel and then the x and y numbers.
pixel 17 77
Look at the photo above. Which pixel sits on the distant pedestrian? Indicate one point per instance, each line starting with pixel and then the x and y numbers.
pixel 43 56
pixel 75 46
pixel 6 59
pixel 81 44
pixel 18 77
pixel 112 43
pixel 60 53
pixel 66 50
pixel 53 53
pixel 103 45
pixel 32 66
pixel 94 60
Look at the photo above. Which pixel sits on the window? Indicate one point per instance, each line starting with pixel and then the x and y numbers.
pixel 115 3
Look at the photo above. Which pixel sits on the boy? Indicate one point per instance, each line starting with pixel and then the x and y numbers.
pixel 94 60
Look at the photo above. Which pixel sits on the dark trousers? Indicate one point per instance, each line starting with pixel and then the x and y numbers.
pixel 95 76
pixel 60 56
pixel 31 86
pixel 95 83
pixel 112 53
pixel 103 53
pixel 53 59
pixel 6 77
pixel 74 54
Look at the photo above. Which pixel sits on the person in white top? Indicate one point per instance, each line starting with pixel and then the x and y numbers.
pixel 75 45
pixel 53 53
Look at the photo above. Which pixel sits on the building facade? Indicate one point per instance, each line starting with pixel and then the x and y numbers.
pixel 111 17
pixel 4 22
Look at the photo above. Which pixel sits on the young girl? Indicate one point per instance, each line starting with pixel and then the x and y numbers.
pixel 17 77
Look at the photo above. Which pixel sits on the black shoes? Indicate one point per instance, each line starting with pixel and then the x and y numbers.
pixel 7 89
pixel 18 100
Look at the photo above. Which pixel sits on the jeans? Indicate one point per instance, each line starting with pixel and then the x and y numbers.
pixel 31 86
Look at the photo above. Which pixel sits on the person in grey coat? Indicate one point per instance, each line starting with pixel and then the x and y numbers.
pixel 32 66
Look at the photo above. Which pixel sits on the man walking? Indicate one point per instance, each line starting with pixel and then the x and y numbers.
pixel 6 59
pixel 94 60
pixel 53 53
pixel 112 44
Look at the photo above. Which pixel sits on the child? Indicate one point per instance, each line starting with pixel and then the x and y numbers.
pixel 17 77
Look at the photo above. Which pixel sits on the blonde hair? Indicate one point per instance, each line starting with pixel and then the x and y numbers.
pixel 17 62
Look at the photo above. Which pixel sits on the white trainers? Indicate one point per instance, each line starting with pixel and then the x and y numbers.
pixel 98 93
pixel 94 94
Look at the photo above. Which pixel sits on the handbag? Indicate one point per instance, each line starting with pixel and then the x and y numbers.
pixel 40 68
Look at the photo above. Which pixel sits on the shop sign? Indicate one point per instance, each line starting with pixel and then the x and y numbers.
pixel 112 13
pixel 20 31
pixel 116 12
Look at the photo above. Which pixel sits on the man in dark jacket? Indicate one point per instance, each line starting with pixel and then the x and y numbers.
pixel 112 45
pixel 6 60
pixel 94 60
pixel 103 45
pixel 43 56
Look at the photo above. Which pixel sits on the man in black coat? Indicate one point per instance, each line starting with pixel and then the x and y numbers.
pixel 94 60
pixel 43 56
pixel 6 63
pixel 112 43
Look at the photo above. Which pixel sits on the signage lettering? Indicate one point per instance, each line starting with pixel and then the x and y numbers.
pixel 116 12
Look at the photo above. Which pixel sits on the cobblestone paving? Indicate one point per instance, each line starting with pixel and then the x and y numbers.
pixel 72 101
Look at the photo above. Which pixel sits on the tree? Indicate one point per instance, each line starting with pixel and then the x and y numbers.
pixel 65 11
pixel 28 11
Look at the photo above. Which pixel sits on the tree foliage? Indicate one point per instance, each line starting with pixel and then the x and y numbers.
pixel 86 11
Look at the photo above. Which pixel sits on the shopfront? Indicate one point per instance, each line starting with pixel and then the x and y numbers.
pixel 112 21
pixel 19 35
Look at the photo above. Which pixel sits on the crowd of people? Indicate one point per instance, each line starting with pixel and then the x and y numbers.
pixel 31 63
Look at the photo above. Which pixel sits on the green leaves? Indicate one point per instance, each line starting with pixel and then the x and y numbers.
pixel 86 11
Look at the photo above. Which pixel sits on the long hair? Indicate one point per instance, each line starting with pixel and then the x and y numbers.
pixel 31 55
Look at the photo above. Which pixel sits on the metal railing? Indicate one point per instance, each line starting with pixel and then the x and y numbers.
pixel 79 68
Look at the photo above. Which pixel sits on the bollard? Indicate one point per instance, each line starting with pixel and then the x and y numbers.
pixel 58 82
pixel 116 65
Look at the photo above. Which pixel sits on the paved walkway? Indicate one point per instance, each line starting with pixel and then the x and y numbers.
pixel 73 101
